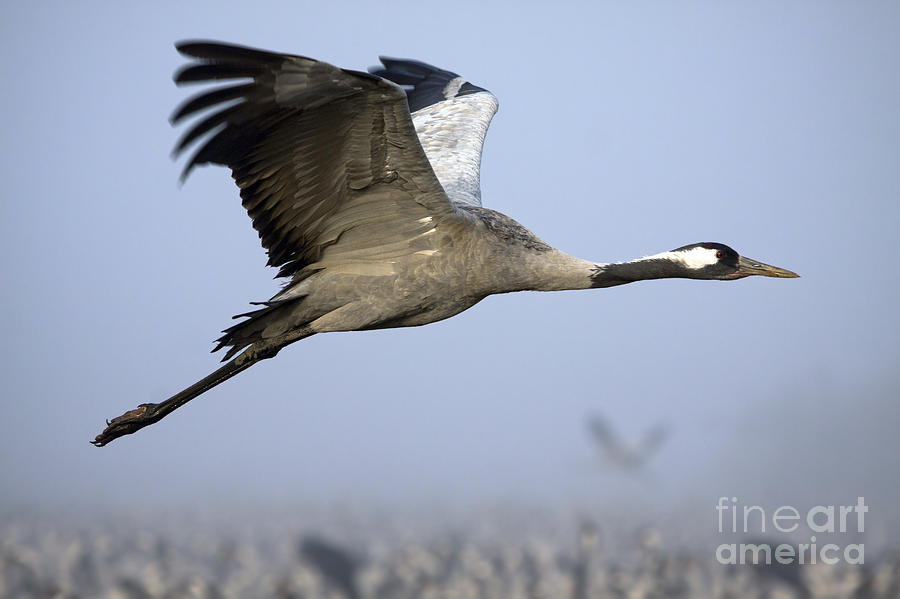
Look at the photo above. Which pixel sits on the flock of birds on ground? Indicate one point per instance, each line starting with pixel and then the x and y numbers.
pixel 123 560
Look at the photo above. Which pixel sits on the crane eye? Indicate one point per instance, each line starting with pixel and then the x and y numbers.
pixel 720 254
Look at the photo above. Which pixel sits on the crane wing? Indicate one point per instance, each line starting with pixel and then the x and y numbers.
pixel 317 152
pixel 604 436
pixel 451 117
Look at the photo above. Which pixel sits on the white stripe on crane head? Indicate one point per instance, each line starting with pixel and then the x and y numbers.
pixel 693 258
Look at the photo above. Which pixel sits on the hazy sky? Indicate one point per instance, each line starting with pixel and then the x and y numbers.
pixel 624 129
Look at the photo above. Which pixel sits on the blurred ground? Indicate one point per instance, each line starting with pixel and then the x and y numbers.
pixel 495 553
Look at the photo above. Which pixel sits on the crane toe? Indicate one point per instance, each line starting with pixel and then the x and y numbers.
pixel 129 422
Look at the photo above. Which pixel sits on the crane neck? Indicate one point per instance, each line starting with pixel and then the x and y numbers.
pixel 641 269
pixel 558 271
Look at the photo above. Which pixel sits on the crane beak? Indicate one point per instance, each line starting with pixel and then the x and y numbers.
pixel 748 267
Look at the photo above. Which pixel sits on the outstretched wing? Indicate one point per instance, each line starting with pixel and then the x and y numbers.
pixel 605 437
pixel 451 117
pixel 317 152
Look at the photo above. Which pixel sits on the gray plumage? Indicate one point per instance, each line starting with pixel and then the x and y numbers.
pixel 371 212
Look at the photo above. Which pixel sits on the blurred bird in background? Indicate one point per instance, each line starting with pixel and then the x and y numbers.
pixel 621 454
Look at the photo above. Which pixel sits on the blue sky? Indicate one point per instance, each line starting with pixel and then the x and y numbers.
pixel 624 129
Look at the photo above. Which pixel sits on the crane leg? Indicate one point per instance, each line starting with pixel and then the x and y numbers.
pixel 150 413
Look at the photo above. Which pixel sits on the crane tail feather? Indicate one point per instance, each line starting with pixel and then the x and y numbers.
pixel 250 331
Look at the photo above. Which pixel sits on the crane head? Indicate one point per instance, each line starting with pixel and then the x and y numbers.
pixel 717 261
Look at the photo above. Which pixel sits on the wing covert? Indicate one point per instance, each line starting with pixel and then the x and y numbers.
pixel 451 117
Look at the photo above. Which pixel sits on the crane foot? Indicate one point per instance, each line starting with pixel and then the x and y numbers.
pixel 129 422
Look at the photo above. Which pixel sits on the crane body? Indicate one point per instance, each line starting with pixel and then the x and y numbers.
pixel 367 197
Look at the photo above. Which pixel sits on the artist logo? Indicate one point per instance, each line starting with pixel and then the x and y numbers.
pixel 831 520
